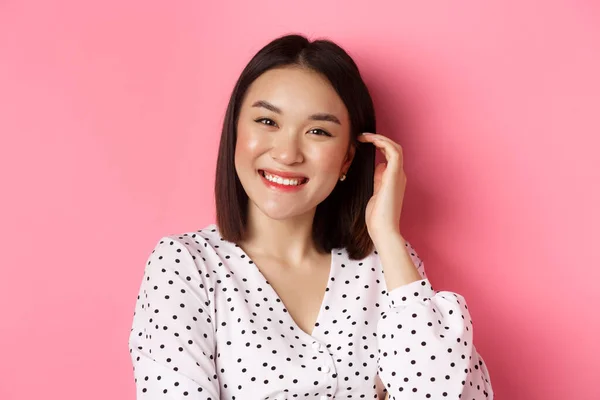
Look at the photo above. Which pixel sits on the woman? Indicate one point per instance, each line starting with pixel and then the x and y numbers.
pixel 305 286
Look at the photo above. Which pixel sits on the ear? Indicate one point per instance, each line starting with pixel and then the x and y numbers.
pixel 349 157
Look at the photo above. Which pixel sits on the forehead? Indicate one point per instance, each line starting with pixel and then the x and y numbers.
pixel 296 90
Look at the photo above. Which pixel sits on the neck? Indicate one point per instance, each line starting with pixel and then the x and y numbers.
pixel 288 240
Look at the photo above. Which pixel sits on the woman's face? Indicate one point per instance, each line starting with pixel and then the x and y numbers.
pixel 291 120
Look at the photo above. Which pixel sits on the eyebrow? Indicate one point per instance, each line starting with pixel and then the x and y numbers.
pixel 314 117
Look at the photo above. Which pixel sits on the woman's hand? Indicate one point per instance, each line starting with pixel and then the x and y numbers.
pixel 385 207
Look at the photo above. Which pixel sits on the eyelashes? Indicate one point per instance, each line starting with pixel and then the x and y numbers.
pixel 260 121
pixel 272 123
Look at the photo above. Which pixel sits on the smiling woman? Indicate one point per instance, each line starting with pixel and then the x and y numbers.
pixel 297 110
pixel 292 123
pixel 285 296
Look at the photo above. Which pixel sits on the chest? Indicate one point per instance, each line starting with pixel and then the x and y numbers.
pixel 302 290
pixel 266 332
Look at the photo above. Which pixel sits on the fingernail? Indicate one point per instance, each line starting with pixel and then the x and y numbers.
pixel 366 133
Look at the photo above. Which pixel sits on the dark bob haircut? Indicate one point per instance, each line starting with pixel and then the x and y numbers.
pixel 339 220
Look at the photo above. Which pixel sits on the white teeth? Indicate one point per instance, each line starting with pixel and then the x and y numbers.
pixel 282 181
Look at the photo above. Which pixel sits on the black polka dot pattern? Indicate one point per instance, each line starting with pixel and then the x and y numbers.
pixel 208 325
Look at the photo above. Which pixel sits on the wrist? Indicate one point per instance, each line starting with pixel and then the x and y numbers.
pixel 381 238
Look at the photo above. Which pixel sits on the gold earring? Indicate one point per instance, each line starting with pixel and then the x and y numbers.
pixel 343 177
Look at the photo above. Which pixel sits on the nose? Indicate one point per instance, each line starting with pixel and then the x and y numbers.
pixel 286 148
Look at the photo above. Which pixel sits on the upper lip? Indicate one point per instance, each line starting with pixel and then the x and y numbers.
pixel 283 174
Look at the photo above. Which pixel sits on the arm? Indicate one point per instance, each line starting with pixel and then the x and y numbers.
pixel 426 341
pixel 172 342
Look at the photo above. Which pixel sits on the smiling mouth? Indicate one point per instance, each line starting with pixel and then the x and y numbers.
pixel 301 181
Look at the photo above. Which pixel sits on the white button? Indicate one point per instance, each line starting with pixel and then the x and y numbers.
pixel 316 345
pixel 326 368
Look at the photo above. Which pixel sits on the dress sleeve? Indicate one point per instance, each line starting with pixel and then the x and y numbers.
pixel 172 340
pixel 426 348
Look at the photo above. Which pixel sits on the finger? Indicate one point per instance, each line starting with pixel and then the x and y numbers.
pixel 370 137
pixel 392 153
pixel 379 170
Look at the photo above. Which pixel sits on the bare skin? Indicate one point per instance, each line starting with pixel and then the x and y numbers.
pixel 300 288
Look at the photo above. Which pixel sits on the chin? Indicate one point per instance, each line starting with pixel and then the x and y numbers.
pixel 279 211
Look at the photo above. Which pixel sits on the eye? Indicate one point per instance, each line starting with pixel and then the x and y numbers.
pixel 268 121
pixel 324 133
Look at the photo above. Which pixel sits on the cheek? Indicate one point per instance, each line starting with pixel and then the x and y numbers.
pixel 247 145
pixel 328 160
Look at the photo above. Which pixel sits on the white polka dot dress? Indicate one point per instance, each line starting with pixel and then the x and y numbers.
pixel 207 325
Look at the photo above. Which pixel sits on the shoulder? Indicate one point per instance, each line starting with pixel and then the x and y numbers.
pixel 204 248
pixel 193 247
pixel 193 241
pixel 191 256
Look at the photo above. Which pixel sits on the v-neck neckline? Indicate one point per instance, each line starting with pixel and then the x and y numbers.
pixel 307 337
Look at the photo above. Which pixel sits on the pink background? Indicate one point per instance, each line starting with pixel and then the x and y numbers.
pixel 110 118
